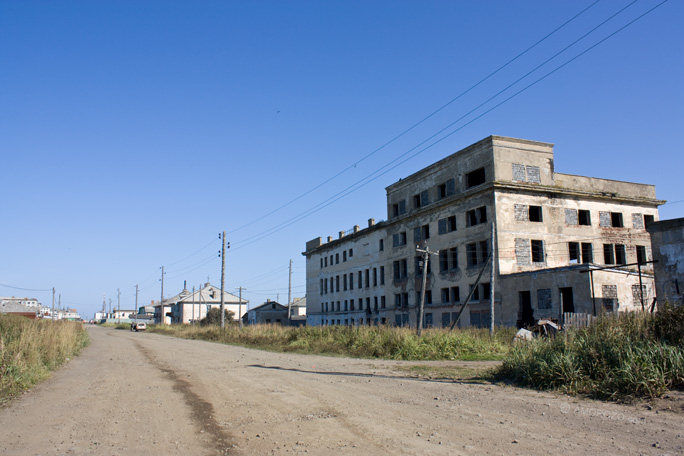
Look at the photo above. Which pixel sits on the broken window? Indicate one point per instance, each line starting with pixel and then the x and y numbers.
pixel 484 250
pixel 574 252
pixel 382 275
pixel 584 217
pixel 537 248
pixel 641 254
pixel 399 239
pixel 648 219
pixel 471 254
pixel 476 216
pixel 475 178
pixel 587 252
pixel 608 254
pixel 620 255
pixel 535 214
pixel 443 261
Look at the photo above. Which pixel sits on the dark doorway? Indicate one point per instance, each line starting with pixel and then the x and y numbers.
pixel 525 312
pixel 567 303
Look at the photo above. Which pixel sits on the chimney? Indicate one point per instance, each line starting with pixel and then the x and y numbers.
pixel 329 238
pixel 371 222
pixel 357 228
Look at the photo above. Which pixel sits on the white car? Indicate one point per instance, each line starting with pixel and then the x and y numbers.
pixel 138 326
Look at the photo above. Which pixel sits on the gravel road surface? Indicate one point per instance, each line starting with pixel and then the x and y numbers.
pixel 147 394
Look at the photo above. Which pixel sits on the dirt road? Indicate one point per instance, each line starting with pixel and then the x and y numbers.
pixel 146 394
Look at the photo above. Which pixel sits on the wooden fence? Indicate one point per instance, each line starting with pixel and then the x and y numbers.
pixel 578 320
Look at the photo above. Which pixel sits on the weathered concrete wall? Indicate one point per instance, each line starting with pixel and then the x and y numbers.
pixel 667 238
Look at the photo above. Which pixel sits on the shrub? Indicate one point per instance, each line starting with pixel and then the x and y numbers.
pixel 214 316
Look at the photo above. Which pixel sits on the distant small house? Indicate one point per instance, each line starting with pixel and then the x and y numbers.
pixel 298 312
pixel 12 306
pixel 189 307
pixel 268 312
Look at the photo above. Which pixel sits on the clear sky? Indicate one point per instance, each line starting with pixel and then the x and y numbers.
pixel 133 132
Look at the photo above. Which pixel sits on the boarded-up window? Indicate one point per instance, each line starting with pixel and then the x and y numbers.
pixel 521 212
pixel 604 219
pixel 519 172
pixel 610 301
pixel 533 174
pixel 522 251
pixel 544 298
pixel 571 217
pixel 638 296
pixel 638 221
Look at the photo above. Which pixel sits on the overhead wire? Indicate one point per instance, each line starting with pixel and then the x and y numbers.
pixel 376 174
pixel 433 113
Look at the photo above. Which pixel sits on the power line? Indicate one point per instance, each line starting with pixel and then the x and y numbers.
pixel 369 178
pixel 25 289
pixel 433 113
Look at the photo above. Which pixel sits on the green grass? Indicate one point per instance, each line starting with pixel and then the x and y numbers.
pixel 451 373
pixel 622 357
pixel 30 349
pixel 360 341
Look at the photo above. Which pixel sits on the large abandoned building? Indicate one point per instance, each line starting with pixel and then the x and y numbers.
pixel 501 196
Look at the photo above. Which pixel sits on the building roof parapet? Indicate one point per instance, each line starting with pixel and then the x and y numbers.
pixel 317 243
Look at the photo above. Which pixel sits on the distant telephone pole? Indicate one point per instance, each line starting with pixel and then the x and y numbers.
pixel 161 300
pixel 289 296
pixel 135 314
pixel 240 307
pixel 223 277
pixel 53 303
pixel 118 303
pixel 426 259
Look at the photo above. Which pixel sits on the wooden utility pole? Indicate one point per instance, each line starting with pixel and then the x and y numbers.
pixel 223 277
pixel 53 303
pixel 491 285
pixel 193 305
pixel 118 303
pixel 161 300
pixel 240 307
pixel 426 259
pixel 289 296
pixel 135 314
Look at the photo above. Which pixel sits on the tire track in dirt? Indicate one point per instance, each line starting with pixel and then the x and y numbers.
pixel 202 411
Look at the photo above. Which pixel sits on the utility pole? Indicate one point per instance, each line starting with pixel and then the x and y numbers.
pixel 223 277
pixel 426 259
pixel 491 285
pixel 289 296
pixel 193 304
pixel 118 303
pixel 110 307
pixel 135 314
pixel 240 307
pixel 53 303
pixel 161 300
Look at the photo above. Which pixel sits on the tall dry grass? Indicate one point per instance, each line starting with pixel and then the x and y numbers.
pixel 30 349
pixel 358 341
pixel 621 357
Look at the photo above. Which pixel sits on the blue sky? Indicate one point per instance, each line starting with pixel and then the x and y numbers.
pixel 133 132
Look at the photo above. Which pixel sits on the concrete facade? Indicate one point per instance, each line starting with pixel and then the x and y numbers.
pixel 548 226
pixel 667 238
pixel 188 307
pixel 269 312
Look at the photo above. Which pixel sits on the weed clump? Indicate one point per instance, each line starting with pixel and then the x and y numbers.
pixel 620 356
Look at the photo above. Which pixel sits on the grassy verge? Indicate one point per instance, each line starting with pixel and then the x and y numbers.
pixel 30 349
pixel 630 356
pixel 450 373
pixel 360 341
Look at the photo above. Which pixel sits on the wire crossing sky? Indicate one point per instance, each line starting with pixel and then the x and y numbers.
pixel 132 133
